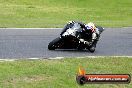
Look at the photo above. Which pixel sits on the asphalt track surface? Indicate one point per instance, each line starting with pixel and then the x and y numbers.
pixel 32 43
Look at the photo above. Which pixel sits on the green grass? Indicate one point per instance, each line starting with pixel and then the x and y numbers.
pixel 55 13
pixel 61 73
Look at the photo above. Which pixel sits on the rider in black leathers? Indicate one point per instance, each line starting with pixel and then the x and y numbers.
pixel 88 31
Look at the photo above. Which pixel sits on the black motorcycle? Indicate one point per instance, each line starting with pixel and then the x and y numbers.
pixel 69 39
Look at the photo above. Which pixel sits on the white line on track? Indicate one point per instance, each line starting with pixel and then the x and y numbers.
pixel 2 60
pixel 105 56
pixel 46 28
pixel 92 57
pixel 33 58
pixel 28 28
pixel 57 58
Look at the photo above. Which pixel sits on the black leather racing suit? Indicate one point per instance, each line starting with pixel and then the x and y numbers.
pixel 85 34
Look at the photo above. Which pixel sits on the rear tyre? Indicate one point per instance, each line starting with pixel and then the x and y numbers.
pixel 53 44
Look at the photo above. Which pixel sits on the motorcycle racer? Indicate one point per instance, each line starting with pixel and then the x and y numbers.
pixel 88 30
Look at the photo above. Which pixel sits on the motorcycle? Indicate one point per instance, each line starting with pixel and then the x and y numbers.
pixel 69 39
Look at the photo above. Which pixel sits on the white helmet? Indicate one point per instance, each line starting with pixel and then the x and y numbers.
pixel 90 26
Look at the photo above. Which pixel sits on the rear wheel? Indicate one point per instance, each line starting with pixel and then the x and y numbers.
pixel 54 44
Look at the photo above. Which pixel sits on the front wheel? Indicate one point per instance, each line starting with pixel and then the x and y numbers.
pixel 54 44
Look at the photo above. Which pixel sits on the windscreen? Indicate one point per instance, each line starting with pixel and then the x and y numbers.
pixel 76 26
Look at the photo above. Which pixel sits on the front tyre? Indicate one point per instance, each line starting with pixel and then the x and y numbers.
pixel 54 44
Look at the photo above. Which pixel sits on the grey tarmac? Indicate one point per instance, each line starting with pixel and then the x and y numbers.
pixel 32 43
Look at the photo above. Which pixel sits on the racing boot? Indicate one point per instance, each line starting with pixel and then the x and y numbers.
pixel 93 46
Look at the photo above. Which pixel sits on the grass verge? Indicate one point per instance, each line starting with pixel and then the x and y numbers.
pixel 55 13
pixel 60 73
